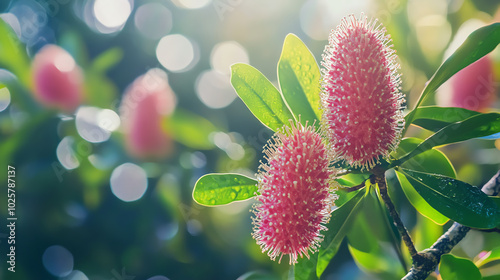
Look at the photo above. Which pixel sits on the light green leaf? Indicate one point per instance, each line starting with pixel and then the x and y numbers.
pixel 299 76
pixel 339 224
pixel 189 129
pixel 13 55
pixel 478 44
pixel 435 118
pixel 455 199
pixel 493 255
pixel 260 96
pixel 107 59
pixel 476 126
pixel 219 189
pixel 455 268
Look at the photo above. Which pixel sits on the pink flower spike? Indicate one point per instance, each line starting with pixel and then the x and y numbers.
pixel 361 93
pixel 295 194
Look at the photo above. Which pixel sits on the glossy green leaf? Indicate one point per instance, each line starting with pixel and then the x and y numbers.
pixel 455 199
pixel 455 268
pixel 338 226
pixel 419 203
pixel 431 161
pixel 372 242
pixel 473 127
pixel 493 255
pixel 107 59
pixel 190 129
pixel 219 189
pixel 435 118
pixel 478 44
pixel 299 76
pixel 260 96
pixel 13 54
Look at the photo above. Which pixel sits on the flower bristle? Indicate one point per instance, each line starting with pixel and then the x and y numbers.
pixel 295 193
pixel 361 92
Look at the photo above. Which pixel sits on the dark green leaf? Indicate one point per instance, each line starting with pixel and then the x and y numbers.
pixel 107 59
pixel 260 96
pixel 220 189
pixel 189 129
pixel 455 268
pixel 434 118
pixel 493 255
pixel 475 126
pixel 298 76
pixel 455 199
pixel 419 203
pixel 338 226
pixel 478 44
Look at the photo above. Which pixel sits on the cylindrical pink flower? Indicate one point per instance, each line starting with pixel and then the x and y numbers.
pixel 361 96
pixel 471 88
pixel 294 194
pixel 57 80
pixel 144 106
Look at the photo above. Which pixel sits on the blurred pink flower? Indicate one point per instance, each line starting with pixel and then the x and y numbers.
pixel 361 98
pixel 295 194
pixel 472 88
pixel 146 102
pixel 57 80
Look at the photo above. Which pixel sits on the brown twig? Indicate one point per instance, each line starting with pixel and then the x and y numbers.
pixel 379 179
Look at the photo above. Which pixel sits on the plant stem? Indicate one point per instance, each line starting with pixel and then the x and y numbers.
pixel 379 179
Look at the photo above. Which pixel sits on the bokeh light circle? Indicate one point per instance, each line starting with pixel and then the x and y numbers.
pixel 129 182
pixel 191 4
pixel 4 98
pixel 158 277
pixel 65 153
pixel 227 53
pixel 112 13
pixel 214 89
pixel 176 53
pixel 76 275
pixel 153 20
pixel 94 124
pixel 58 261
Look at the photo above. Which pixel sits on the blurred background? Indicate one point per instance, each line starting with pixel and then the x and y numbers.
pixel 109 131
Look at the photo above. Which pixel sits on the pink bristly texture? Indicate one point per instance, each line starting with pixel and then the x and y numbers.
pixel 144 106
pixel 295 194
pixel 472 88
pixel 361 93
pixel 57 80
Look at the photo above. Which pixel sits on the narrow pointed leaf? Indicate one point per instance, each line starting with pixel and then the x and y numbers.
pixel 260 96
pixel 220 189
pixel 473 127
pixel 435 118
pixel 493 255
pixel 478 44
pixel 13 54
pixel 338 226
pixel 455 199
pixel 455 268
pixel 298 76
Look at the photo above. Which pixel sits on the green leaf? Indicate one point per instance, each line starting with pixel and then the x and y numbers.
pixel 434 118
pixel 372 242
pixel 257 275
pixel 493 255
pixel 478 44
pixel 107 59
pixel 306 268
pixel 260 96
pixel 338 226
pixel 189 129
pixel 299 76
pixel 99 90
pixel 219 189
pixel 455 268
pixel 419 202
pixel 455 199
pixel 12 54
pixel 476 126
